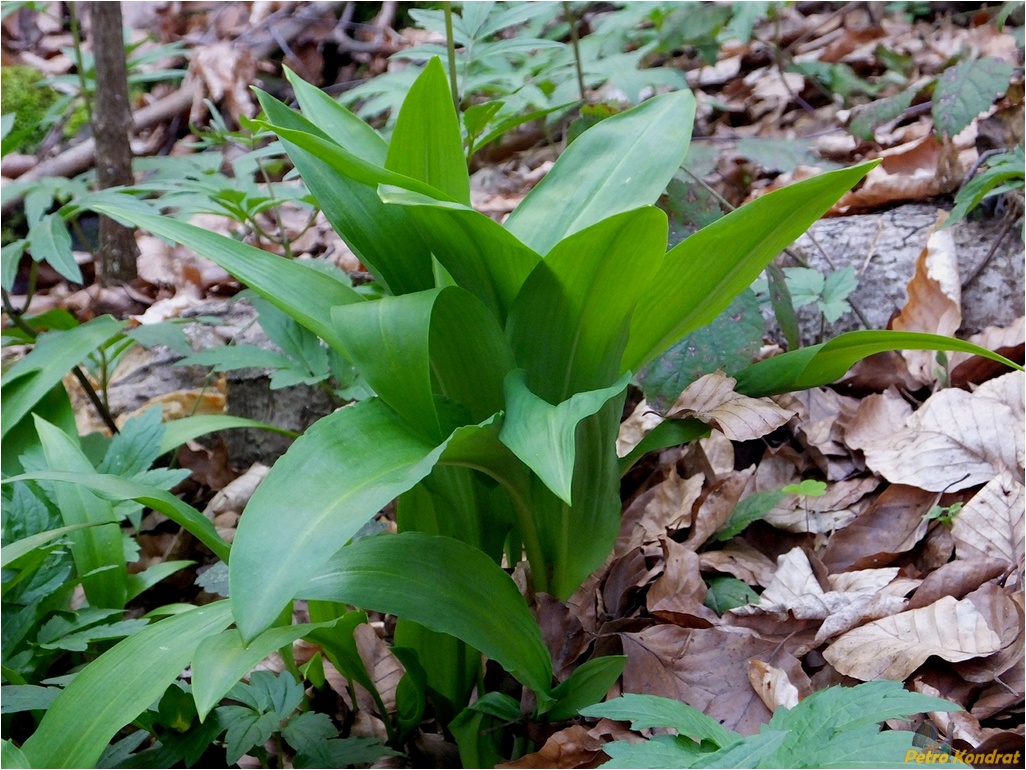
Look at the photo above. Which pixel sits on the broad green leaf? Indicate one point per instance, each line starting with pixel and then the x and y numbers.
pixel 691 288
pixel 730 343
pixel 221 661
pixel 27 697
pixel 349 465
pixel 177 432
pixel 98 551
pixel 116 488
pixel 412 575
pixel 412 347
pixel 338 123
pixel 477 729
pixel 967 89
pixel 825 363
pixel 620 164
pixel 141 581
pixel 866 117
pixel 31 378
pixel 426 142
pixel 569 323
pixel 19 548
pixel 118 686
pixel 645 711
pixel 752 508
pixel 303 293
pixel 544 436
pixel 482 256
pixel 586 686
pixel 383 237
pixel 11 756
pixel 10 257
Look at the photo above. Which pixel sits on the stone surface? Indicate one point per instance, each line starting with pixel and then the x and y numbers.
pixel 883 248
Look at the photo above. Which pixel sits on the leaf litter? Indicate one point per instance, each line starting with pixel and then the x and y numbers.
pixel 858 584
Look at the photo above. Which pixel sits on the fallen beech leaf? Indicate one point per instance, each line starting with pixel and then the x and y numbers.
pixel 772 685
pixel 957 578
pixel 741 560
pixel 707 669
pixel 892 525
pixel 569 748
pixel 832 511
pixel 956 440
pixel 934 302
pixel 875 418
pixel 678 594
pixel 665 507
pixel 717 505
pixel 636 427
pixel 894 647
pixel 712 400
pixel 991 524
pixel 236 493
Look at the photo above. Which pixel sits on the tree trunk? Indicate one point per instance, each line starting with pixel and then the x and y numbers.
pixel 112 118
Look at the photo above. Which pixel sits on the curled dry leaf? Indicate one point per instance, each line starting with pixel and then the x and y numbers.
pixel 991 524
pixel 569 748
pixel 741 560
pixel 712 400
pixel 772 685
pixel 934 302
pixel 235 494
pixel 665 507
pixel 636 427
pixel 895 646
pixel 955 441
pixel 717 505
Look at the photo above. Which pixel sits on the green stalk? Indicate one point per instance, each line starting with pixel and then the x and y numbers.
pixel 450 48
pixel 576 44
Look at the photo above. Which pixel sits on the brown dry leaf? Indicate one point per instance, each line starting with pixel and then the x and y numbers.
pixel 384 668
pixel 636 427
pixel 741 560
pixel 934 302
pixel 233 497
pixel 892 525
pixel 569 748
pixel 712 400
pixel 991 524
pixel 666 506
pixel 968 368
pixel 895 646
pixel 821 432
pixel 772 685
pixel 875 418
pixel 920 169
pixel 796 592
pixel 677 596
pixel 707 668
pixel 956 440
pixel 225 72
pixel 839 506
pixel 957 578
pixel 715 508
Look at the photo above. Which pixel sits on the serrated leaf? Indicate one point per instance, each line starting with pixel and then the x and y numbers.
pixel 645 711
pixel 345 752
pixel 304 731
pixel 661 752
pixel 781 155
pixel 726 593
pixel 134 448
pixel 966 90
pixel 866 117
pixel 247 729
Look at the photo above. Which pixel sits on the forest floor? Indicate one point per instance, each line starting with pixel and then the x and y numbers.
pixel 905 561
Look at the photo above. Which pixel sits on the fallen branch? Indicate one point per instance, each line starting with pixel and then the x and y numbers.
pixel 81 157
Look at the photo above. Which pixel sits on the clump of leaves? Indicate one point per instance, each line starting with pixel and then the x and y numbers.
pixel 1000 173
pixel 835 727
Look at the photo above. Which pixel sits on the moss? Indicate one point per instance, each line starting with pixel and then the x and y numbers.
pixel 23 92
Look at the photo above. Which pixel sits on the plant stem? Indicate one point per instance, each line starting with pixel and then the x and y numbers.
pixel 450 48
pixel 76 37
pixel 576 44
pixel 87 386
